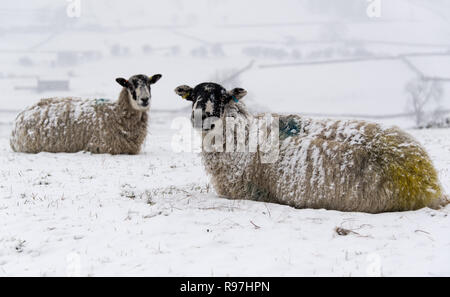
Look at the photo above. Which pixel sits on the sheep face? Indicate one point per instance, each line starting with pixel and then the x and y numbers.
pixel 139 90
pixel 208 102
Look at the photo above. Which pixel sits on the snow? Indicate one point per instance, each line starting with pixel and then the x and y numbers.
pixel 156 214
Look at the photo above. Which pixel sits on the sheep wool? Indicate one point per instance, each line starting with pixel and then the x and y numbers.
pixel 344 165
pixel 72 124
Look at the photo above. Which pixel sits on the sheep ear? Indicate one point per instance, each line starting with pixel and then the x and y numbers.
pixel 153 79
pixel 122 81
pixel 237 94
pixel 184 91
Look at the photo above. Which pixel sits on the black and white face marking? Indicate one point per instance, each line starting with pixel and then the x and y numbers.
pixel 209 99
pixel 139 90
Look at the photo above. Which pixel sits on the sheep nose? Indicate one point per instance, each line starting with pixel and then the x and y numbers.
pixel 145 101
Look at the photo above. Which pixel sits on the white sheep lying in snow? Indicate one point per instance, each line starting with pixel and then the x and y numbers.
pixel 97 126
pixel 331 164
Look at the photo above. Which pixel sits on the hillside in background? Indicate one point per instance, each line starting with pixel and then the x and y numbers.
pixel 156 213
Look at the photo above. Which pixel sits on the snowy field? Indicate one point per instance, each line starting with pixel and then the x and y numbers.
pixel 155 214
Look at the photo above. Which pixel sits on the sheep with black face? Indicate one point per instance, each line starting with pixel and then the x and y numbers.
pixel 344 165
pixel 97 126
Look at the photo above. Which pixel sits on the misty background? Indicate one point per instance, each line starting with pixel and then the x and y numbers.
pixel 382 60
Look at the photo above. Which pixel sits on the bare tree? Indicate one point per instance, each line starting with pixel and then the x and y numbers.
pixel 230 78
pixel 423 93
pixel 227 78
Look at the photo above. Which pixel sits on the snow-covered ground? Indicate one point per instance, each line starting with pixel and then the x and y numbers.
pixel 155 214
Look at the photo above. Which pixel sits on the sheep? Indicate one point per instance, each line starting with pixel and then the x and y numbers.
pixel 98 126
pixel 344 165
